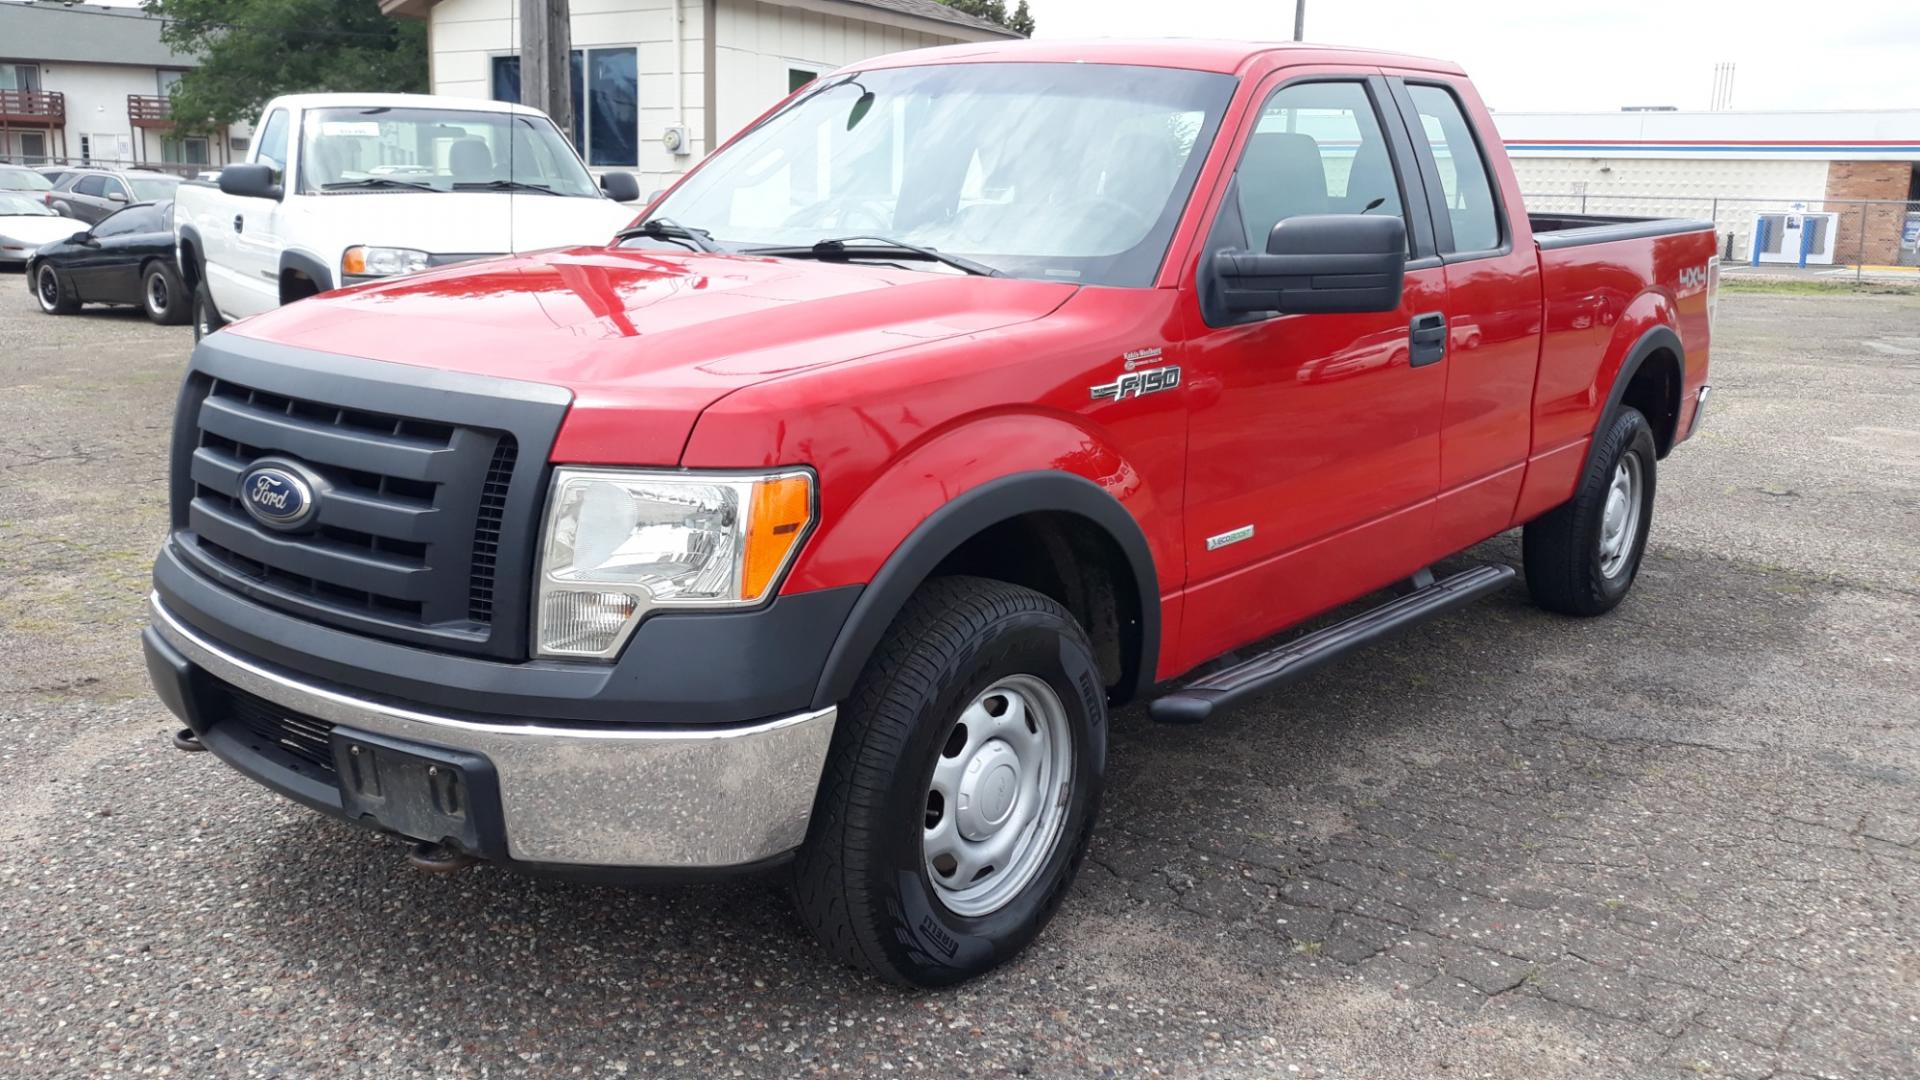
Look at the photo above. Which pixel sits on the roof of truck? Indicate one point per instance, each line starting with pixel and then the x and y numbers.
pixel 400 101
pixel 1195 54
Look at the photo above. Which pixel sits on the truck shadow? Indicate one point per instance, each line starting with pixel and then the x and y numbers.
pixel 1451 799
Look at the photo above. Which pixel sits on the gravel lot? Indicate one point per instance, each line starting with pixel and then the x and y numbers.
pixel 1682 840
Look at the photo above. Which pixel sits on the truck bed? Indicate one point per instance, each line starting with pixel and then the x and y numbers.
pixel 1552 231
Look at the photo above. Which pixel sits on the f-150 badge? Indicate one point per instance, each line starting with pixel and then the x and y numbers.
pixel 1139 383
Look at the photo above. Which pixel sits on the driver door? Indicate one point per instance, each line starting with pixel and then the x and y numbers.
pixel 1314 447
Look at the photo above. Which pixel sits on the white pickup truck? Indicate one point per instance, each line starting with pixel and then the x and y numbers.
pixel 344 188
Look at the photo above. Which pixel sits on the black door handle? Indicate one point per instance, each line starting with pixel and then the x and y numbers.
pixel 1428 339
pixel 239 223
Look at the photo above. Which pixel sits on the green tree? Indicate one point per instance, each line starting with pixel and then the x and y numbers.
pixel 252 50
pixel 995 11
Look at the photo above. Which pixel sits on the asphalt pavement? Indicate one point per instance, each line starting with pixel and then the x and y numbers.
pixel 1682 840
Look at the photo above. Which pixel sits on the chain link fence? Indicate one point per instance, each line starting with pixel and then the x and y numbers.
pixel 1862 235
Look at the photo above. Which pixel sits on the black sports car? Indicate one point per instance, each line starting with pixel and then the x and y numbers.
pixel 126 259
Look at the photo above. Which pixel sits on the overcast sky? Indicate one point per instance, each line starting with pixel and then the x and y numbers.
pixel 1533 55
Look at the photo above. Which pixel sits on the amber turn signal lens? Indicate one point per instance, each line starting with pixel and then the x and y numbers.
pixel 354 261
pixel 778 518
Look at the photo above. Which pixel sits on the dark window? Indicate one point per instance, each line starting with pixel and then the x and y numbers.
pixel 1463 172
pixel 94 185
pixel 799 77
pixel 1318 148
pixel 606 102
pixel 134 219
pixel 271 148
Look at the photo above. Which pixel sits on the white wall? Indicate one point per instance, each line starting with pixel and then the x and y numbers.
pixel 465 35
pixel 96 98
pixel 759 43
pixel 1728 193
pixel 756 45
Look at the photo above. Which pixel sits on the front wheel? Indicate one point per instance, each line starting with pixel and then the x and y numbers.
pixel 1582 557
pixel 961 788
pixel 56 296
pixel 165 299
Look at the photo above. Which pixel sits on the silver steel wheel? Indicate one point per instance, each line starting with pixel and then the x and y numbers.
pixel 997 803
pixel 1620 521
pixel 47 288
pixel 157 293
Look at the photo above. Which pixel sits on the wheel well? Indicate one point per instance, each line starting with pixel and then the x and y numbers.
pixel 1655 391
pixel 296 285
pixel 189 264
pixel 1074 561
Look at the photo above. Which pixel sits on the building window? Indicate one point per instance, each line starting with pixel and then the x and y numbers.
pixel 33 147
pixel 19 76
pixel 799 77
pixel 606 102
pixel 86 149
pixel 191 150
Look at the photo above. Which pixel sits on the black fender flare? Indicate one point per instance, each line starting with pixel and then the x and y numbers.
pixel 316 271
pixel 960 520
pixel 1656 339
pixel 194 269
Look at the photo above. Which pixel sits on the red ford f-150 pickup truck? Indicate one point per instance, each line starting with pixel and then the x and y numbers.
pixel 820 519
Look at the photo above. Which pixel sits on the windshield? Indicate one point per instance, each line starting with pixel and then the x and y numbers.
pixel 152 189
pixel 1074 172
pixel 22 180
pixel 13 205
pixel 386 149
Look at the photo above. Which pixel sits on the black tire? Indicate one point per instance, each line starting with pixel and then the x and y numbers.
pixel 163 296
pixel 206 317
pixel 55 294
pixel 1567 569
pixel 862 881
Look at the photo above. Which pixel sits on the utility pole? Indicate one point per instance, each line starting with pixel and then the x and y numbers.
pixel 546 49
pixel 1299 20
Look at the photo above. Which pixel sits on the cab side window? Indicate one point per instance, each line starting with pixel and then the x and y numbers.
pixel 1463 171
pixel 271 149
pixel 1318 148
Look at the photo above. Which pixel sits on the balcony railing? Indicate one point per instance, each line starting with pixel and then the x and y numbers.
pixel 36 108
pixel 149 110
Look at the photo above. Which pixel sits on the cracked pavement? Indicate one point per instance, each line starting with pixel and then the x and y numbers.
pixel 1679 841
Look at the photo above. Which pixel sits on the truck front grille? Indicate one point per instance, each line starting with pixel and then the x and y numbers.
pixel 270 727
pixel 420 511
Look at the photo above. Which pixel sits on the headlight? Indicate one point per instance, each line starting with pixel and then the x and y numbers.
pixel 619 543
pixel 382 261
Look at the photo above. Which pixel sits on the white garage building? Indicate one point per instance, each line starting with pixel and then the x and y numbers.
pixel 1846 183
pixel 702 67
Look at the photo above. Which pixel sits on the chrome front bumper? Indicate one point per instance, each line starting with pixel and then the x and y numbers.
pixel 589 795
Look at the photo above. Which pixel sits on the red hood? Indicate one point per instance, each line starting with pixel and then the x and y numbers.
pixel 644 340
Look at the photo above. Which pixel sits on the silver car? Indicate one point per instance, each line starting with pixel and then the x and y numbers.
pixel 90 195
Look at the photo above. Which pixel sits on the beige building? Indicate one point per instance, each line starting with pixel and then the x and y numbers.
pixel 698 69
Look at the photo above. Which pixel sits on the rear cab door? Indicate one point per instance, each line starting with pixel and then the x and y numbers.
pixel 1314 444
pixel 1493 308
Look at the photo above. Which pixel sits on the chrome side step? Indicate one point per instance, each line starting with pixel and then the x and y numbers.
pixel 1197 700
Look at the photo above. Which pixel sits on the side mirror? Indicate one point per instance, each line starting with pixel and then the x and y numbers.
pixel 117 196
pixel 85 238
pixel 250 180
pixel 620 186
pixel 1318 263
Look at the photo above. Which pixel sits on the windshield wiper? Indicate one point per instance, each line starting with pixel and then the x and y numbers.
pixel 377 182
pixel 663 228
pixel 847 248
pixel 501 185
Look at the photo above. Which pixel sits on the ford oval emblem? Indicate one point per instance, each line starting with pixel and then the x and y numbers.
pixel 277 496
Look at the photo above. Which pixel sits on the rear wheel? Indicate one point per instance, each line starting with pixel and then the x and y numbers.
pixel 1582 557
pixel 206 317
pixel 961 788
pixel 56 296
pixel 164 297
